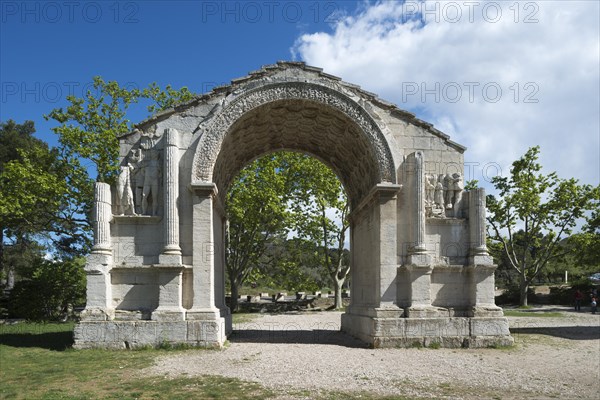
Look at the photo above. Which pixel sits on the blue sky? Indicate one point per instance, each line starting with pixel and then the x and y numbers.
pixel 498 77
pixel 51 48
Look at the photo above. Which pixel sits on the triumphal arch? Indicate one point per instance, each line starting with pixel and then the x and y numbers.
pixel 420 268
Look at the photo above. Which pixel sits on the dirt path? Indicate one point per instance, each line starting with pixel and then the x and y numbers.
pixel 557 357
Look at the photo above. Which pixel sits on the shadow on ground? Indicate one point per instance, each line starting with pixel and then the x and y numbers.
pixel 316 336
pixel 57 341
pixel 565 332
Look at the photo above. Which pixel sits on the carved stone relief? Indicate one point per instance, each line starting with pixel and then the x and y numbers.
pixel 138 183
pixel 443 195
pixel 215 129
pixel 124 200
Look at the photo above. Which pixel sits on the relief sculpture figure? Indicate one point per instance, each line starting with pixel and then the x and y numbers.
pixel 151 174
pixel 438 206
pixel 124 199
pixel 457 188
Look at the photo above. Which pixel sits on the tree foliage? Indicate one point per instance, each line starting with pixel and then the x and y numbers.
pixel 295 265
pixel 257 213
pixel 321 217
pixel 533 213
pixel 278 196
pixel 90 126
pixel 167 98
pixel 586 245
pixel 46 194
pixel 37 203
pixel 49 290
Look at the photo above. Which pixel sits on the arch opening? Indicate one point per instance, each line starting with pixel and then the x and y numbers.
pixel 300 126
pixel 292 211
pixel 295 116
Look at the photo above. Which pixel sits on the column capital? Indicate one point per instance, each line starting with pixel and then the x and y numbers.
pixel 203 189
pixel 384 191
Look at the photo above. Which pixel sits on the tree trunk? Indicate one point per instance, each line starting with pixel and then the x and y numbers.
pixel 233 304
pixel 338 302
pixel 523 289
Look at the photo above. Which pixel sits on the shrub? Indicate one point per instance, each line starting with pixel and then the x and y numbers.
pixel 49 292
pixel 512 295
pixel 566 295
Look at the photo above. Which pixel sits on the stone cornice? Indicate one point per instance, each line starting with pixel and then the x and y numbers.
pixel 268 71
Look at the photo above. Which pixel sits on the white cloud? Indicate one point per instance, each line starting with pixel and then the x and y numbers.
pixel 387 49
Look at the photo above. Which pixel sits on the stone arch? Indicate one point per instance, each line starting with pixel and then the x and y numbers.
pixel 400 270
pixel 300 116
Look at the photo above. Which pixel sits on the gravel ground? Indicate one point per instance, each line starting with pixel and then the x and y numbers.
pixel 304 355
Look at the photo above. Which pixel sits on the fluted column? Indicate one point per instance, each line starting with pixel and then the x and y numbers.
pixel 481 263
pixel 419 238
pixel 102 214
pixel 419 261
pixel 478 248
pixel 418 252
pixel 172 252
pixel 99 262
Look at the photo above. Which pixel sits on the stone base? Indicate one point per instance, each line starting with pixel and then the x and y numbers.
pixel 173 260
pixel 486 311
pixel 97 314
pixel 167 314
pixel 132 315
pixel 446 331
pixel 135 334
pixel 426 312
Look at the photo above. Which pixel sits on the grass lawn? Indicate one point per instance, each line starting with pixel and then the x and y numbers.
pixel 37 362
pixel 541 314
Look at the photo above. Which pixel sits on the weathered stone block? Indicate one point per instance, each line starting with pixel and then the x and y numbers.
pixel 489 327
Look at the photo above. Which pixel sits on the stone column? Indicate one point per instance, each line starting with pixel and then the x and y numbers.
pixel 478 249
pixel 203 306
pixel 481 263
pixel 418 252
pixel 418 267
pixel 172 252
pixel 387 195
pixel 102 214
pixel 99 262
pixel 205 322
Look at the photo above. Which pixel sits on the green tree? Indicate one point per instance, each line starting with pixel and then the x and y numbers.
pixel 90 127
pixel 533 213
pixel 36 203
pixel 278 194
pixel 257 213
pixel 46 194
pixel 321 217
pixel 49 290
pixel 167 98
pixel 586 244
pixel 294 264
